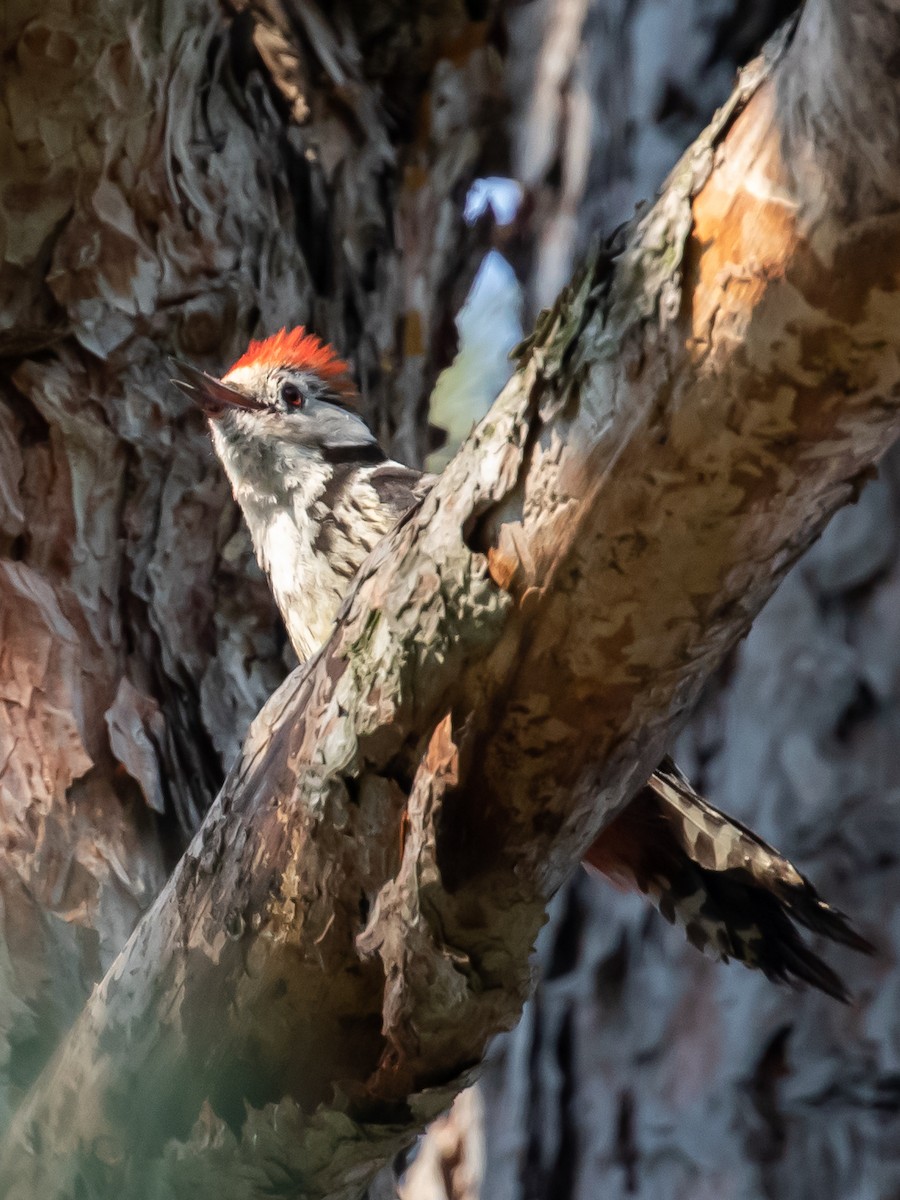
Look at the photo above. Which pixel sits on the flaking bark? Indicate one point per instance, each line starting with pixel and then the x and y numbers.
pixel 354 919
pixel 176 178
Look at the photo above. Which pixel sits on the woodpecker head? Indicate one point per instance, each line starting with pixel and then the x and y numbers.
pixel 287 405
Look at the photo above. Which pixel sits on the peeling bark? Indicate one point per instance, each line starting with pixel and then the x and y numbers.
pixel 176 178
pixel 354 919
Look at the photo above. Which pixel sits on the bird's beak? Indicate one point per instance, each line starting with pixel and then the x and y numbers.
pixel 209 393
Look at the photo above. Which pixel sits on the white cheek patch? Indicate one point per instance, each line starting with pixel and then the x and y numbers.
pixel 244 377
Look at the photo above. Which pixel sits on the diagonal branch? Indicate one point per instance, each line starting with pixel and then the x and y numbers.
pixel 354 919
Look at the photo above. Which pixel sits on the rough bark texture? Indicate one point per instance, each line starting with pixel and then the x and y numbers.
pixel 355 918
pixel 640 1069
pixel 176 178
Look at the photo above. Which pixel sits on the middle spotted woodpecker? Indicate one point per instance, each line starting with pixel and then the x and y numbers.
pixel 318 493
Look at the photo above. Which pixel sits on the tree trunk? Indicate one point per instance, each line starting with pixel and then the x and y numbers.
pixel 521 647
pixel 142 645
pixel 640 1069
pixel 176 179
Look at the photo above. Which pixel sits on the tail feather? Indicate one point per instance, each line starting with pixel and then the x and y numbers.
pixel 734 895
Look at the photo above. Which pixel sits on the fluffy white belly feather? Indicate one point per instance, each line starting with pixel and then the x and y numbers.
pixel 306 590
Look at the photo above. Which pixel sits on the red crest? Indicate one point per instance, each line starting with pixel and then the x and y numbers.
pixel 305 351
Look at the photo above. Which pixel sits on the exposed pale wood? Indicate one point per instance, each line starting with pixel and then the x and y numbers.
pixel 450 1163
pixel 679 428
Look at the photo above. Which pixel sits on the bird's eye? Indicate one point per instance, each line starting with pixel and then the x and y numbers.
pixel 291 395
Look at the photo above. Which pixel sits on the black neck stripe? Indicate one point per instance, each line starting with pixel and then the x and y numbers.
pixel 367 452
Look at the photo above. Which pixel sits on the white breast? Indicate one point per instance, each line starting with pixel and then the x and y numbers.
pixel 307 591
pixel 309 535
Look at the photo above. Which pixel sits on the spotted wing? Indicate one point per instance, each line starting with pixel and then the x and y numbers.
pixel 734 895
